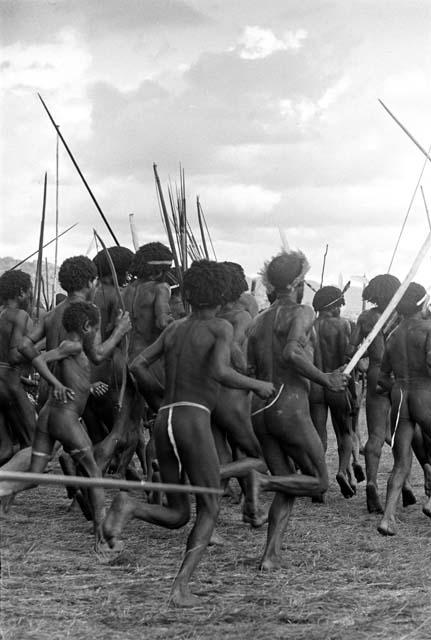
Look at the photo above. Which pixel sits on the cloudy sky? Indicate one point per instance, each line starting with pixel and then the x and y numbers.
pixel 271 107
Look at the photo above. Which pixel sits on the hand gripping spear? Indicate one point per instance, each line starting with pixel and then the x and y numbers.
pixel 121 304
pixel 391 306
pixel 57 128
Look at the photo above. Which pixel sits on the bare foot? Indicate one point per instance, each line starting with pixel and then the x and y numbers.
pixel 120 512
pixel 183 598
pixel 255 520
pixel 359 472
pixel 216 540
pixel 373 500
pixel 408 496
pixel 426 509
pixel 345 487
pixel 270 563
pixel 320 499
pixel 387 526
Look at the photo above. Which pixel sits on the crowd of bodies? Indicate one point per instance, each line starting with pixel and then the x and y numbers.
pixel 202 388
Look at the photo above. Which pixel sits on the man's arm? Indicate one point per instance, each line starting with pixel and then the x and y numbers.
pixel 385 380
pixel 343 341
pixel 96 350
pixel 224 373
pixel 294 353
pixel 27 342
pixel 162 309
pixel 356 337
pixel 150 354
pixel 240 326
pixel 21 326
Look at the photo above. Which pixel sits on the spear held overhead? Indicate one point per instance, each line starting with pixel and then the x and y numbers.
pixel 391 306
pixel 419 146
pixel 57 128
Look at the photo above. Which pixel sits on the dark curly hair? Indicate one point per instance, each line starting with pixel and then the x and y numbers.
pixel 75 273
pixel 12 284
pixel 77 314
pixel 328 298
pixel 380 290
pixel 408 305
pixel 238 283
pixel 205 283
pixel 121 257
pixel 283 269
pixel 153 251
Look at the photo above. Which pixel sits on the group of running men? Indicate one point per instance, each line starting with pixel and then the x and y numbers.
pixel 225 391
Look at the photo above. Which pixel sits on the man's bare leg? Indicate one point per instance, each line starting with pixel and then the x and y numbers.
pixel 377 412
pixel 200 463
pixel 402 452
pixel 342 426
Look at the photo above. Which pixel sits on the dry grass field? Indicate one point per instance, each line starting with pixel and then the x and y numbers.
pixel 340 578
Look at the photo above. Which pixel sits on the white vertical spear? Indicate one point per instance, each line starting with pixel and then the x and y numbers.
pixel 391 306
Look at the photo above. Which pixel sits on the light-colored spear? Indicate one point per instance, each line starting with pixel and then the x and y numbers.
pixel 391 306
pixel 426 207
pixel 419 146
pixel 38 278
pixel 133 231
pixel 54 278
pixel 106 483
pixel 324 265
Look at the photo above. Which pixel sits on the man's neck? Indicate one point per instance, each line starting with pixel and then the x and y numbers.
pixel 204 313
pixel 78 296
pixel 287 296
pixel 12 304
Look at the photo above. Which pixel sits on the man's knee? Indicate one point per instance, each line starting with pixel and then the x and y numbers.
pixel 180 517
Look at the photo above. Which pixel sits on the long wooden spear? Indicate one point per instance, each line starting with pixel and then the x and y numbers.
pixel 133 231
pixel 38 278
pixel 18 264
pixel 426 207
pixel 57 128
pixel 419 146
pixel 168 227
pixel 391 306
pixel 54 278
pixel 201 227
pixel 106 483
pixel 323 265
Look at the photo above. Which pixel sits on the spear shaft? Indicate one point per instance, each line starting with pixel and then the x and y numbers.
pixel 38 279
pixel 18 264
pixel 168 227
pixel 419 146
pixel 57 128
pixel 201 227
pixel 106 483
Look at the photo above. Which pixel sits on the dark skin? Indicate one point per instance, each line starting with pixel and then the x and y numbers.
pixel 196 352
pixel 148 302
pixel 280 351
pixel 332 339
pixel 231 416
pixel 59 419
pixel 406 375
pixel 115 432
pixel 377 407
pixel 15 323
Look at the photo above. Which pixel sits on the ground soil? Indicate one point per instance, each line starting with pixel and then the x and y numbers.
pixel 339 579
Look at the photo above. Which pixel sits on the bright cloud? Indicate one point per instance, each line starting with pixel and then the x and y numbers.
pixel 256 42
